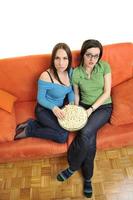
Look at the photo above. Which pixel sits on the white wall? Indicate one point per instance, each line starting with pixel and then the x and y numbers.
pixel 35 26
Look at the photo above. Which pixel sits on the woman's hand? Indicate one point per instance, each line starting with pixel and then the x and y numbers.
pixel 58 112
pixel 89 112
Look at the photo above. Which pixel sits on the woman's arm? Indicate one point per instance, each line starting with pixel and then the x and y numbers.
pixel 76 93
pixel 41 96
pixel 104 96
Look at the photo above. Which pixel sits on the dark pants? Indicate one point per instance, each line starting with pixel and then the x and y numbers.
pixel 82 150
pixel 46 126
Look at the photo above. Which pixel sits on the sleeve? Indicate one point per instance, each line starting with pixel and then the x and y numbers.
pixel 107 68
pixel 41 95
pixel 75 77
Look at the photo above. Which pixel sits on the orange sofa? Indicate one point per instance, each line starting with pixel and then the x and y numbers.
pixel 18 90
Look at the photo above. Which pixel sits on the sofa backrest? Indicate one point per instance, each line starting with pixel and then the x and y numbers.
pixel 19 75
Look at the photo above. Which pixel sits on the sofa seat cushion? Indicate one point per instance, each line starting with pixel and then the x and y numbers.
pixel 30 148
pixel 7 125
pixel 7 101
pixel 24 111
pixel 110 136
pixel 122 96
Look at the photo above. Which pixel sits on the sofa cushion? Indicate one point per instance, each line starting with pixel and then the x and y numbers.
pixel 7 100
pixel 30 148
pixel 24 72
pixel 112 137
pixel 24 111
pixel 120 58
pixel 122 96
pixel 7 125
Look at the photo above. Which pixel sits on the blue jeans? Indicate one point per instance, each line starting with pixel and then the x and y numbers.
pixel 82 150
pixel 46 126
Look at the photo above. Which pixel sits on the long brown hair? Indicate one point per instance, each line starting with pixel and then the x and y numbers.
pixel 66 48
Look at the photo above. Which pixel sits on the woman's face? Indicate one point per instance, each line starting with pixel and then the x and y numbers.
pixel 91 57
pixel 61 60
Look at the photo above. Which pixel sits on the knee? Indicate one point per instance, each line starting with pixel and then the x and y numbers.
pixel 62 138
pixel 87 131
pixel 89 138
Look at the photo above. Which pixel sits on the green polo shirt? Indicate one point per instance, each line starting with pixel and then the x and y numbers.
pixel 91 88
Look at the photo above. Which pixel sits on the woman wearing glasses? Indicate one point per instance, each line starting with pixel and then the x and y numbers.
pixel 92 86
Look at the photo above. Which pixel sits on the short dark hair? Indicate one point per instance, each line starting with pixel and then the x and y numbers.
pixel 87 44
pixel 66 48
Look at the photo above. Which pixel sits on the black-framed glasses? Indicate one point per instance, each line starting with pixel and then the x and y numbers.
pixel 90 56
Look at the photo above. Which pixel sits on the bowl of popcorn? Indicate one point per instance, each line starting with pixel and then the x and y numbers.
pixel 75 118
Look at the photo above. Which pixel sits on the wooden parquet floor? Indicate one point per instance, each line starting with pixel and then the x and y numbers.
pixel 36 180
